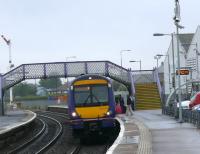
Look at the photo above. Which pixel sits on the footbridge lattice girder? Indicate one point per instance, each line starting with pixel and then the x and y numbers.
pixel 65 69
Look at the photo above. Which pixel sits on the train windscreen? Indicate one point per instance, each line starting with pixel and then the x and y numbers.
pixel 91 95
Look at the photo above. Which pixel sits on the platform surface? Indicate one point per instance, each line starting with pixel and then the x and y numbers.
pixel 169 136
pixel 15 119
pixel 128 140
pixel 58 106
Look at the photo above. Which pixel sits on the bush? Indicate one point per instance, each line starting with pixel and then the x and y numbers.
pixel 30 98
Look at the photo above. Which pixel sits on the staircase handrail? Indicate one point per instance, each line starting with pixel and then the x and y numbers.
pixel 174 90
pixel 157 80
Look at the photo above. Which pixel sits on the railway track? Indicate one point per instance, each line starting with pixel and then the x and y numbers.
pixel 55 136
pixel 76 150
pixel 90 149
pixel 41 142
pixel 23 145
pixel 97 145
pixel 54 139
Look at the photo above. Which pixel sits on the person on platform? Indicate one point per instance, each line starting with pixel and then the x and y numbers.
pixel 121 101
pixel 129 110
pixel 118 109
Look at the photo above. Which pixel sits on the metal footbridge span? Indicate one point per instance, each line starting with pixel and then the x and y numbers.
pixel 64 69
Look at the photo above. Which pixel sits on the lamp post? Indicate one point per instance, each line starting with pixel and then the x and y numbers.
pixel 176 22
pixel 173 62
pixel 157 57
pixel 121 54
pixel 8 42
pixel 132 61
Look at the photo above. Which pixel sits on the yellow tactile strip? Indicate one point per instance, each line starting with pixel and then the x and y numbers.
pixel 145 142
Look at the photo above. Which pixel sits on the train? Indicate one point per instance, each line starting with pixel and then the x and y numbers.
pixel 91 105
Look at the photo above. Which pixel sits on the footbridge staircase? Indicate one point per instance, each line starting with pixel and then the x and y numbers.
pixel 148 91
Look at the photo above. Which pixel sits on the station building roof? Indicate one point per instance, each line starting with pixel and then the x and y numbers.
pixel 185 40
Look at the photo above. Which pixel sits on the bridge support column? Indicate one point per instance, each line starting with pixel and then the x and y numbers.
pixel 1 96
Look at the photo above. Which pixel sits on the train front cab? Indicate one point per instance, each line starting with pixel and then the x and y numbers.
pixel 91 105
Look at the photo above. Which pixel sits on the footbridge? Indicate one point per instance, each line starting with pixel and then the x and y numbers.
pixel 64 69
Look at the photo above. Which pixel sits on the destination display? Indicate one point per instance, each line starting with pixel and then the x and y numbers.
pixel 182 72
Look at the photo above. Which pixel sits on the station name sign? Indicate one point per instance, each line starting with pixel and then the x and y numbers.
pixel 182 72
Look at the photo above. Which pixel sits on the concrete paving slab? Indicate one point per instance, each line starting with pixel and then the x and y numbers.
pixel 15 119
pixel 128 139
pixel 169 136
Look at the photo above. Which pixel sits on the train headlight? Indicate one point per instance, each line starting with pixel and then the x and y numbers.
pixel 74 114
pixel 108 113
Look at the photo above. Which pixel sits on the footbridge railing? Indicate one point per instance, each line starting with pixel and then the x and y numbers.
pixel 65 69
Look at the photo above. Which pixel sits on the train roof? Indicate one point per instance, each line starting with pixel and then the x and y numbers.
pixel 93 76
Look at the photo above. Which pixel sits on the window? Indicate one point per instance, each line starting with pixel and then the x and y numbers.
pixel 91 95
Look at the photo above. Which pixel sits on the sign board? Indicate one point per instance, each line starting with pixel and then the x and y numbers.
pixel 182 72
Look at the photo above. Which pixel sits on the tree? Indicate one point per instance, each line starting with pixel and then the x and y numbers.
pixel 51 83
pixel 24 89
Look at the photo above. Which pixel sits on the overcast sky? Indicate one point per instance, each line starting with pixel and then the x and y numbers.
pixel 51 30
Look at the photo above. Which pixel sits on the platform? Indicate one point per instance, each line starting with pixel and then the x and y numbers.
pixel 15 119
pixel 58 108
pixel 150 132
pixel 169 136
pixel 134 137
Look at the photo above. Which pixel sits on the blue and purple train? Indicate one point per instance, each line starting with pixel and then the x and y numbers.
pixel 91 104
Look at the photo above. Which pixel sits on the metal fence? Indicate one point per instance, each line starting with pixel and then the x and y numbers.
pixel 187 115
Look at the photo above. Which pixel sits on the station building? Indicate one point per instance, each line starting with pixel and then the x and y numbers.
pixel 189 46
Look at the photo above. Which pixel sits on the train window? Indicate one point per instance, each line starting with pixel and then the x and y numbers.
pixel 81 93
pixel 100 94
pixel 91 95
